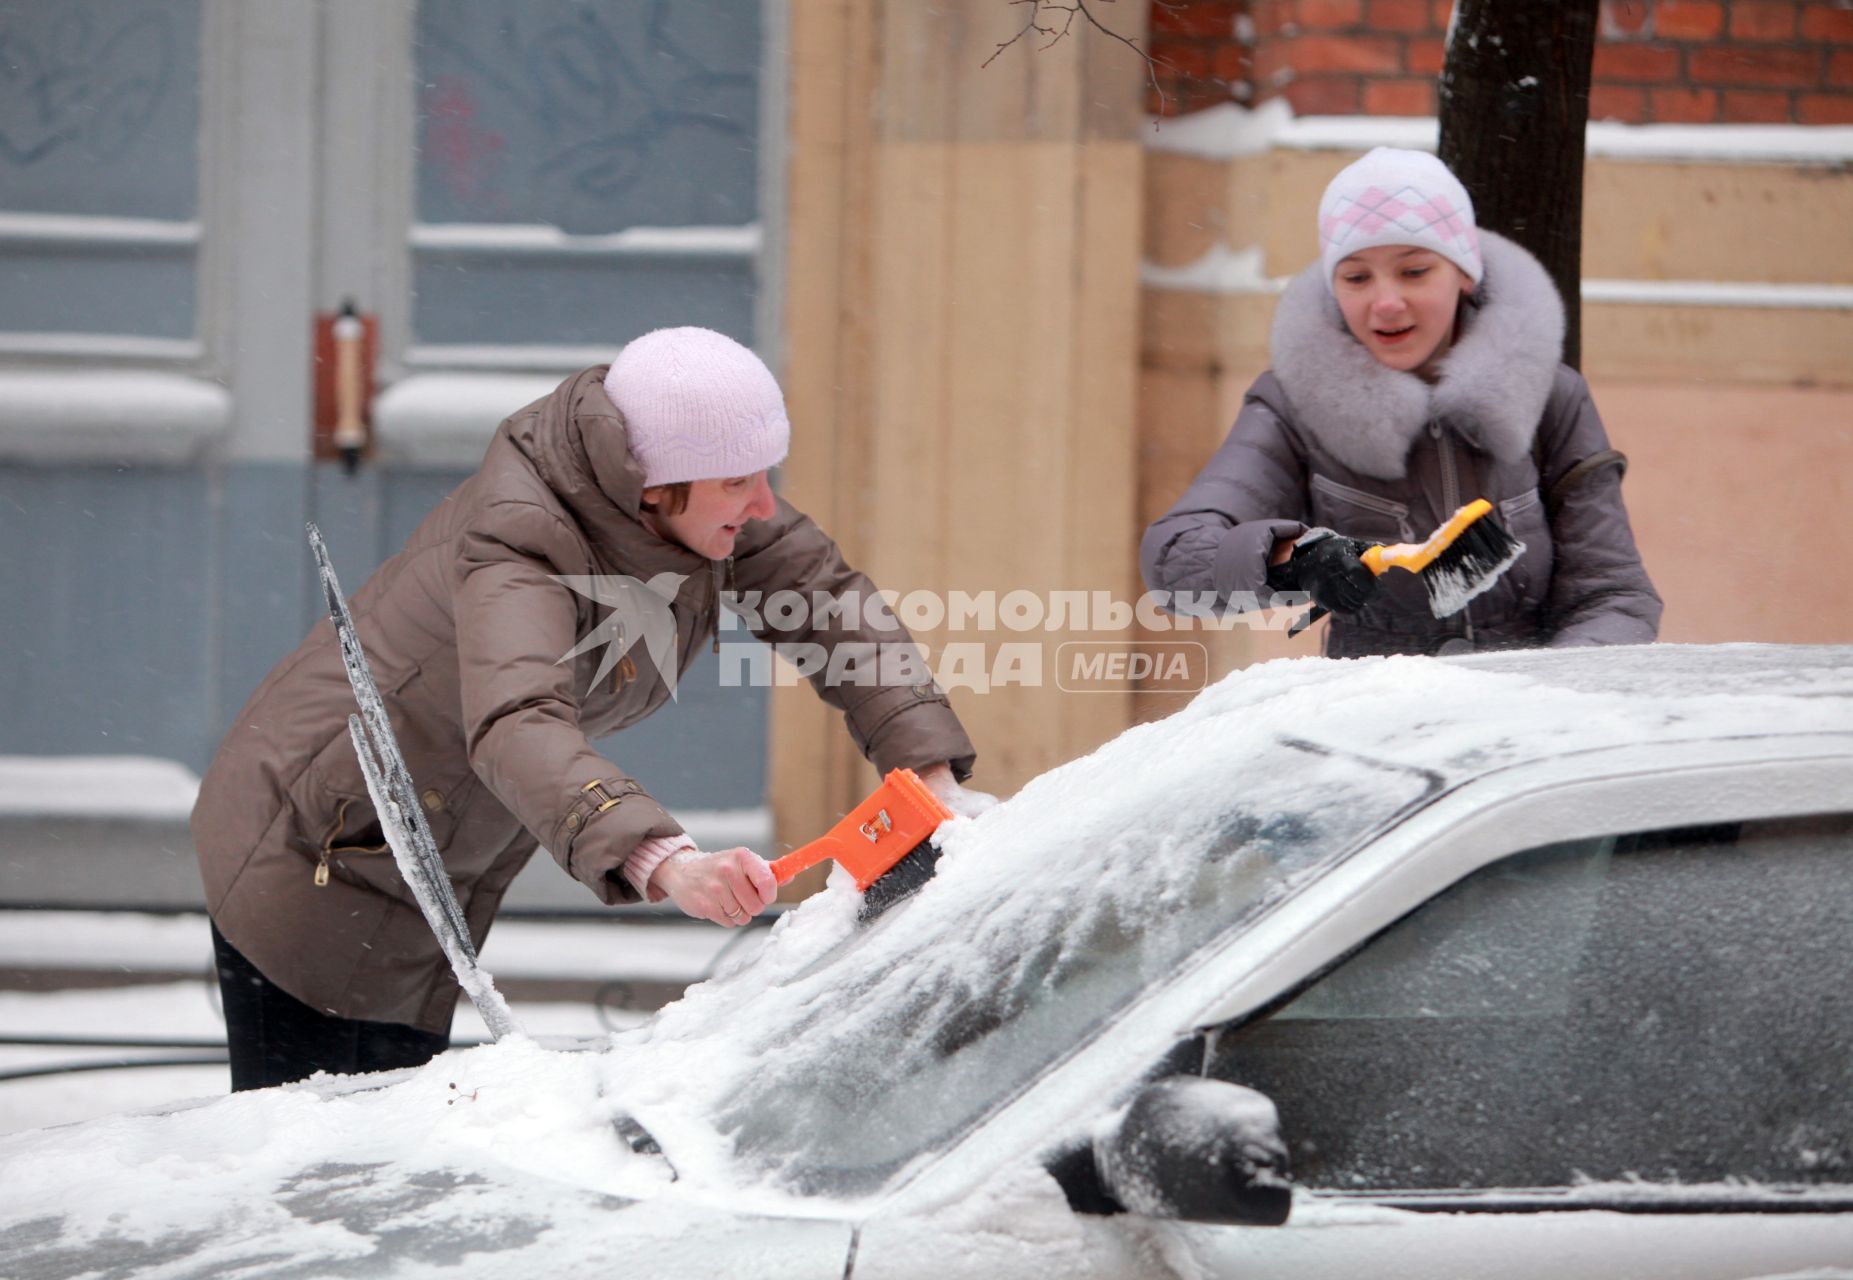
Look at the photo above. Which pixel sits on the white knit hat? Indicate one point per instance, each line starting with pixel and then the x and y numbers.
pixel 1398 197
pixel 697 406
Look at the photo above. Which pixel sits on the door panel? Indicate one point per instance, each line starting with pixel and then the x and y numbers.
pixel 190 182
pixel 1653 1021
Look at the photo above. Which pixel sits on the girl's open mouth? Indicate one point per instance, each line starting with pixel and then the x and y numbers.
pixel 1394 335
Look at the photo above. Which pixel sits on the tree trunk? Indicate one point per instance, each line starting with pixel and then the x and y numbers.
pixel 1514 105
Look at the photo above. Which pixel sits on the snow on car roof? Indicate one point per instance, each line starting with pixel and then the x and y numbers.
pixel 1473 713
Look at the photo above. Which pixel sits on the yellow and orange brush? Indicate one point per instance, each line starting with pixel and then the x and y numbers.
pixel 1456 562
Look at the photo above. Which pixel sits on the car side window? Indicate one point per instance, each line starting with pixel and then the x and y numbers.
pixel 1667 1006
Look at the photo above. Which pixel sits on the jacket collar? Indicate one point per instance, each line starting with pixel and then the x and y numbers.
pixel 1493 385
pixel 577 444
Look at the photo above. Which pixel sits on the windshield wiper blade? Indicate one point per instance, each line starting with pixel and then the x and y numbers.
pixel 401 815
pixel 640 1139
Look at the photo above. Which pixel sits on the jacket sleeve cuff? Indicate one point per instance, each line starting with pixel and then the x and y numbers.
pixel 1241 563
pixel 651 852
pixel 606 822
pixel 911 727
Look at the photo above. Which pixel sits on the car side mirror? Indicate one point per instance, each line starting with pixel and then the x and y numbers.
pixel 1197 1150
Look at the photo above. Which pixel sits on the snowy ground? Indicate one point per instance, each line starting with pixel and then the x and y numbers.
pixel 187 1011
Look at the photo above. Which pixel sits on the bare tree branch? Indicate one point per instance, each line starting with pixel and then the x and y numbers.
pixel 1032 25
pixel 1075 9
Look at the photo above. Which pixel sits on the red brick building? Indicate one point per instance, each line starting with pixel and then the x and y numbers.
pixel 1657 61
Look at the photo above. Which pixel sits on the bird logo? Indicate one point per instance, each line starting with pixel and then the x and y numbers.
pixel 639 611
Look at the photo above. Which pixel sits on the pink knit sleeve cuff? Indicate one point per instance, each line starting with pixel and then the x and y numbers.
pixel 652 852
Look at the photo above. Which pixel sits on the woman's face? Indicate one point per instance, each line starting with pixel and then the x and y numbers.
pixel 716 511
pixel 1400 302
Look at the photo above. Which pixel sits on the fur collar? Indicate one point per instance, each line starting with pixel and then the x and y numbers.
pixel 1493 386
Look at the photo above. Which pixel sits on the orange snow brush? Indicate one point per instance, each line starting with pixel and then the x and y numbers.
pixel 884 842
pixel 1456 562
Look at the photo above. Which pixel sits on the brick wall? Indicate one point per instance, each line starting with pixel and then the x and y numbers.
pixel 1672 61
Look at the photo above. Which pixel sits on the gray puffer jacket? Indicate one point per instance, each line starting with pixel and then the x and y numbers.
pixel 1331 437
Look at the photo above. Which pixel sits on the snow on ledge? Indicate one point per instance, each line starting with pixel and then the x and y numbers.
pixel 540 239
pixel 447 419
pixel 1721 293
pixel 1221 270
pixel 70 228
pixel 96 787
pixel 1754 143
pixel 1241 272
pixel 726 828
pixel 109 416
pixel 1222 132
pixel 1229 131
pixel 678 951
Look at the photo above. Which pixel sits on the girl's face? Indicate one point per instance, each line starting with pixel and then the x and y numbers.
pixel 715 514
pixel 1400 302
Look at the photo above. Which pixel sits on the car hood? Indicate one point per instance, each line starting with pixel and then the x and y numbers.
pixel 497 1160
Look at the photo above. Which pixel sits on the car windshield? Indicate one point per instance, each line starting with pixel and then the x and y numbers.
pixel 862 1048
pixel 1048 952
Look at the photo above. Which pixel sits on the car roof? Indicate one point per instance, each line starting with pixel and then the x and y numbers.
pixel 1765 670
pixel 1476 714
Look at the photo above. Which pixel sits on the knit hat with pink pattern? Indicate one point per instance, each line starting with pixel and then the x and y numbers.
pixel 1398 197
pixel 697 406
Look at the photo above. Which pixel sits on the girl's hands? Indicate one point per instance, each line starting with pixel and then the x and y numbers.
pixel 1327 567
pixel 729 886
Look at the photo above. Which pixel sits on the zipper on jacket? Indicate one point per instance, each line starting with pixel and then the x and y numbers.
pixel 722 585
pixel 329 848
pixel 1450 482
pixel 714 570
pixel 1450 495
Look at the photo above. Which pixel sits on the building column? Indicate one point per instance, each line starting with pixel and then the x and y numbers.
pixel 961 347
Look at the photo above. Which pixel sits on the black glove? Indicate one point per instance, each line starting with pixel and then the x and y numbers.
pixel 1329 568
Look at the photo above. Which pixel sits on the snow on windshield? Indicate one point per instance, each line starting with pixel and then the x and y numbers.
pixel 843 1054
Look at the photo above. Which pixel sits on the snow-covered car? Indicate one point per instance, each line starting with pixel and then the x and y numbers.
pixel 1530 964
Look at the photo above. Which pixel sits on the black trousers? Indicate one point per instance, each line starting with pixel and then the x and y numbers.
pixel 275 1038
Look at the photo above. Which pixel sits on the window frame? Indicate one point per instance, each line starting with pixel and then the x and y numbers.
pixel 416 376
pixel 61 394
pixel 1614 1194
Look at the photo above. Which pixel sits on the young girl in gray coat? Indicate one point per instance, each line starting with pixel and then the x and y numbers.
pixel 1416 367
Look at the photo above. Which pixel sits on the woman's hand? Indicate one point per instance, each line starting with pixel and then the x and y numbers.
pixel 963 802
pixel 729 886
pixel 1331 570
